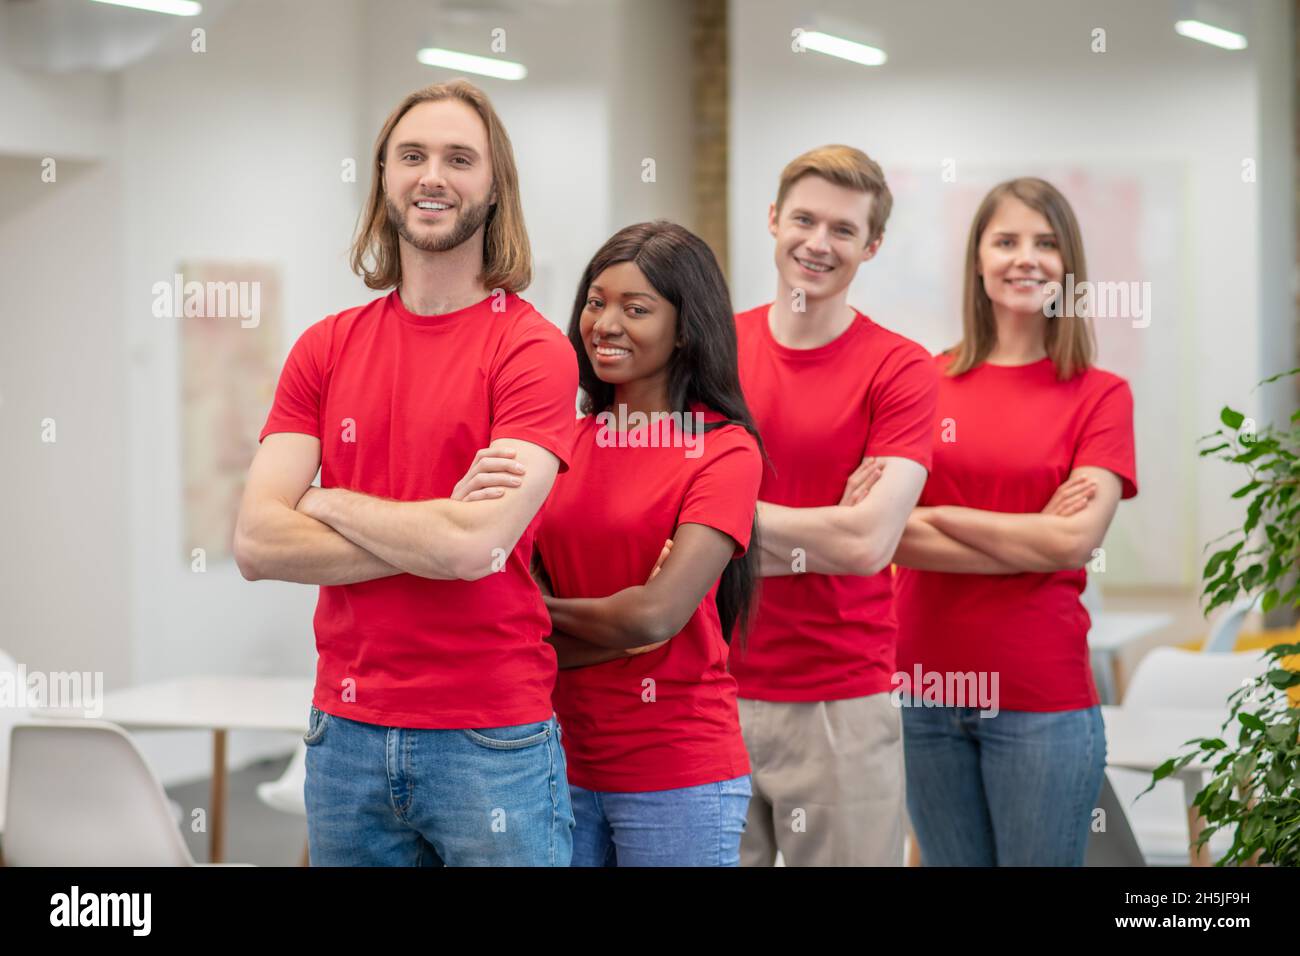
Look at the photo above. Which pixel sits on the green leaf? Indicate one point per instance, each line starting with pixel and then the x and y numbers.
pixel 1216 560
pixel 1274 378
pixel 1162 771
pixel 1250 829
pixel 1231 418
pixel 1283 679
pixel 1252 515
pixel 1243 768
pixel 1251 722
pixel 1278 734
pixel 1246 489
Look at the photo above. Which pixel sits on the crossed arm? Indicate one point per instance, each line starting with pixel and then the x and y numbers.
pixel 850 537
pixel 971 541
pixel 289 530
pixel 650 613
pixel 856 536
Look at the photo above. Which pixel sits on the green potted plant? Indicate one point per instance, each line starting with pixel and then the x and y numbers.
pixel 1254 786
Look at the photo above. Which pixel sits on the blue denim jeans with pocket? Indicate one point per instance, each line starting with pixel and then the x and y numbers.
pixel 393 796
pixel 687 826
pixel 1015 789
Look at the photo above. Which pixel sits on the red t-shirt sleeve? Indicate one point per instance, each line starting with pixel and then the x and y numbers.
pixel 903 411
pixel 724 492
pixel 296 407
pixel 1106 440
pixel 534 392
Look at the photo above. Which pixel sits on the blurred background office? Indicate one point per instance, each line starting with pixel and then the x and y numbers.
pixel 235 143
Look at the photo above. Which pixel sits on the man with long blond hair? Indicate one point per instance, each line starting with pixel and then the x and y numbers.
pixel 432 740
pixel 843 405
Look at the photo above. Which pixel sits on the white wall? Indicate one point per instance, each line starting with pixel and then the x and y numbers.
pixel 650 106
pixel 234 153
pixel 64 576
pixel 68 116
pixel 65 596
pixel 1275 90
pixel 1018 86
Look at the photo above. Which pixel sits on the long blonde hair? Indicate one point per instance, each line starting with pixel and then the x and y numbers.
pixel 1070 342
pixel 507 256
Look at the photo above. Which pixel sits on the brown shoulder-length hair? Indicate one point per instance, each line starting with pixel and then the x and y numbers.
pixel 507 256
pixel 1069 339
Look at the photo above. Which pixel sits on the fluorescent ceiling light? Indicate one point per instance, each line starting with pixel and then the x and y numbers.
pixel 1215 36
pixel 484 66
pixel 844 49
pixel 177 8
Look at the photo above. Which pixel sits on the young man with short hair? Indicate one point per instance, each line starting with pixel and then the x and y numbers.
pixel 432 740
pixel 839 401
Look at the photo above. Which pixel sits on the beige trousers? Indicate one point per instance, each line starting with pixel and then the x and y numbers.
pixel 828 782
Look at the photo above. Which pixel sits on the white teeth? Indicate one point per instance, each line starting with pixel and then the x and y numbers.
pixel 1026 283
pixel 611 351
pixel 814 266
pixel 433 205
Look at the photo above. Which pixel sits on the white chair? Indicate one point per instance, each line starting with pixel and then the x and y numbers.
pixel 8 717
pixel 286 793
pixel 81 794
pixel 1172 678
pixel 1223 636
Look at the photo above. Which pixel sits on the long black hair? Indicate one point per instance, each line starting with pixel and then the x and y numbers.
pixel 703 368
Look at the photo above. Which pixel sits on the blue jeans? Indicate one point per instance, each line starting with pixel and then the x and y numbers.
pixel 688 826
pixel 392 796
pixel 1016 789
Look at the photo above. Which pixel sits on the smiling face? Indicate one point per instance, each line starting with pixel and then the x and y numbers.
pixel 438 185
pixel 628 330
pixel 821 236
pixel 1019 253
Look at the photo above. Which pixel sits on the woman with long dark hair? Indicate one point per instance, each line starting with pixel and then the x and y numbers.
pixel 666 450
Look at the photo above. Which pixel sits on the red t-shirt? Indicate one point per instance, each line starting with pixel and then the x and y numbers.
pixel 401 402
pixel 820 411
pixel 602 530
pixel 1013 435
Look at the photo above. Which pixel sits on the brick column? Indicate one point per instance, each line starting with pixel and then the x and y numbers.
pixel 711 120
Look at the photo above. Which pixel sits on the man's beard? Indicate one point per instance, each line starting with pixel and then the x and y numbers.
pixel 471 216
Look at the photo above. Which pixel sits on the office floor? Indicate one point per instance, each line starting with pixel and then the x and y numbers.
pixel 255 833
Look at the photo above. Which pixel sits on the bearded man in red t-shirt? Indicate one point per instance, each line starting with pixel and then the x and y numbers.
pixel 431 738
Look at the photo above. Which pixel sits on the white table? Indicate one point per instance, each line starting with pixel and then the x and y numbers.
pixel 218 704
pixel 1111 632
pixel 1144 738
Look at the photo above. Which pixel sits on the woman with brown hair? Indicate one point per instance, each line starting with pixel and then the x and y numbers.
pixel 1003 738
